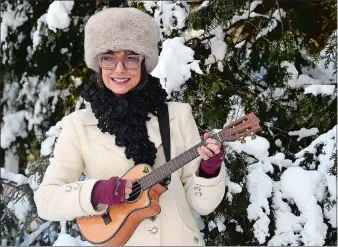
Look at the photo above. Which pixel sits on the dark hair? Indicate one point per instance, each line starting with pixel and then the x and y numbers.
pixel 143 78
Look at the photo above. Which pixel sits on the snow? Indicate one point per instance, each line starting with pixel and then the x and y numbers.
pixel 311 83
pixel 58 14
pixel 65 239
pixel 273 23
pixel 36 35
pixel 308 227
pixel 211 225
pixel 297 187
pixel 305 197
pixel 29 239
pixel 10 92
pixel 245 15
pixel 257 147
pixel 51 135
pixel 233 188
pixel 320 89
pixel 203 5
pixel 12 19
pixel 220 223
pixel 11 160
pixel 218 47
pixel 331 214
pixel 240 44
pixel 288 225
pixel 278 143
pixel 303 132
pixel 239 229
pixel 191 34
pixel 19 179
pixel 168 15
pixel 176 62
pixel 259 186
pixel 20 208
pixel 279 160
pixel 328 138
pixel 14 126
pixel 77 80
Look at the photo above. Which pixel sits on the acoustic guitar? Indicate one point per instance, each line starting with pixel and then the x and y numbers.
pixel 118 223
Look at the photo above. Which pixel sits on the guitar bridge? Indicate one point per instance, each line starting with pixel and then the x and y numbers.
pixel 106 218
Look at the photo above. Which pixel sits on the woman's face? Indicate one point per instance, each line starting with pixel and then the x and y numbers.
pixel 121 71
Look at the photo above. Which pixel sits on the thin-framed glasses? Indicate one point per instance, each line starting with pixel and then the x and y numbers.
pixel 109 61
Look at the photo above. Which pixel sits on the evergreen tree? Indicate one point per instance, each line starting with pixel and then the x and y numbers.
pixel 274 58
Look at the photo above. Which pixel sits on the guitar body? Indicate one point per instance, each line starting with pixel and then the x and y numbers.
pixel 119 223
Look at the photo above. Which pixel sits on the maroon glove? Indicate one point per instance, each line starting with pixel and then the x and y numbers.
pixel 110 192
pixel 211 167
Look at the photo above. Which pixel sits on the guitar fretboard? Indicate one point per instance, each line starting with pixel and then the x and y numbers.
pixel 168 168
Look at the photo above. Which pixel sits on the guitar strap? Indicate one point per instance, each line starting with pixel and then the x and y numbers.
pixel 163 121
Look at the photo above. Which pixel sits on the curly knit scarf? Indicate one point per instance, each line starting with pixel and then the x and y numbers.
pixel 125 116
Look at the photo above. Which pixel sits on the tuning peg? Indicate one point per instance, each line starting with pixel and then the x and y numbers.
pixel 242 139
pixel 253 136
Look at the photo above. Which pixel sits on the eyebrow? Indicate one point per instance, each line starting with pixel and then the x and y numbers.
pixel 126 52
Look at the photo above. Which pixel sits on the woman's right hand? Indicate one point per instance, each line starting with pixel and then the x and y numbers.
pixel 128 187
pixel 113 191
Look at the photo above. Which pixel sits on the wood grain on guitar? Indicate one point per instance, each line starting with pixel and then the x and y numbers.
pixel 116 226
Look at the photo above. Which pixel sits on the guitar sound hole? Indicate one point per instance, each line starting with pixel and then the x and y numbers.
pixel 135 193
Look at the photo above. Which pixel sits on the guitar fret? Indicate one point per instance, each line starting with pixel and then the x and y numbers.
pixel 168 168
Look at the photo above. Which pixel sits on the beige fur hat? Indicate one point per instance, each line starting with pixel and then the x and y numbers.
pixel 117 29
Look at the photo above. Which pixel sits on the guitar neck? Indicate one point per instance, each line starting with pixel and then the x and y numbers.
pixel 247 125
pixel 162 172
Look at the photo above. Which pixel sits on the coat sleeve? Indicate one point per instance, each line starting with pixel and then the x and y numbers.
pixel 60 195
pixel 203 194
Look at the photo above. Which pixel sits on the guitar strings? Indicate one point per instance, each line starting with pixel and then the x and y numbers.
pixel 135 190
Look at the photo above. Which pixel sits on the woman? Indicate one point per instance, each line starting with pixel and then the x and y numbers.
pixel 121 129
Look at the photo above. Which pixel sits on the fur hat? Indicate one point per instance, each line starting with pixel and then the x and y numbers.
pixel 117 29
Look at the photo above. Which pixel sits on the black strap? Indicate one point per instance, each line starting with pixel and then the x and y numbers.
pixel 163 121
pixel 165 132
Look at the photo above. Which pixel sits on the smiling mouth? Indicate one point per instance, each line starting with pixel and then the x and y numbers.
pixel 120 81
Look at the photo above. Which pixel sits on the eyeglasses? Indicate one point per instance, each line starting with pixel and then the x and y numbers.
pixel 109 61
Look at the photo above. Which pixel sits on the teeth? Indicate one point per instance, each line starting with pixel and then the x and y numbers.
pixel 120 79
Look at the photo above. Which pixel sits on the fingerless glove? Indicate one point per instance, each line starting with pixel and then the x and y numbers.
pixel 211 167
pixel 110 192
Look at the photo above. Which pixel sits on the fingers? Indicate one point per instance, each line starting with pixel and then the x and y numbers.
pixel 216 149
pixel 128 187
pixel 206 135
pixel 205 153
pixel 211 147
pixel 213 141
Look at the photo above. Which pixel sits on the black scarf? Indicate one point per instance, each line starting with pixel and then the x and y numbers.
pixel 125 116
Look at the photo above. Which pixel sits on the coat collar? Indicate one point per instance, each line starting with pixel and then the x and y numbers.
pixel 108 140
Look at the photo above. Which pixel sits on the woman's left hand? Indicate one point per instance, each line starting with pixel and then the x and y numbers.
pixel 211 148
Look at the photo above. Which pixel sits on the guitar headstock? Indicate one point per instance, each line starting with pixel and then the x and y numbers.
pixel 239 129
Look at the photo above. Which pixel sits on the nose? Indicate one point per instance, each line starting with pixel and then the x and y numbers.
pixel 120 67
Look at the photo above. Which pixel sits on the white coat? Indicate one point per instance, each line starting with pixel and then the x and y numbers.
pixel 83 148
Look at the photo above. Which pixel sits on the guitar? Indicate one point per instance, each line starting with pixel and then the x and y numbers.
pixel 118 223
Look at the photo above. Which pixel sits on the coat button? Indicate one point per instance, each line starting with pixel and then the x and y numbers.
pixel 76 185
pixel 198 193
pixel 68 188
pixel 154 230
pixel 196 239
pixel 197 188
